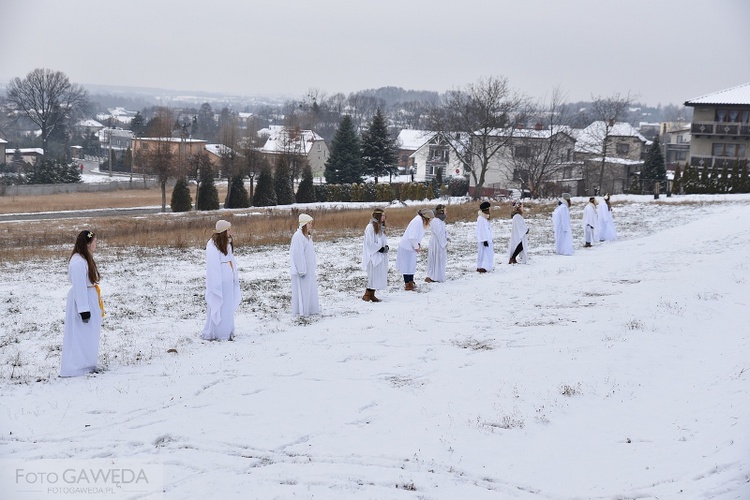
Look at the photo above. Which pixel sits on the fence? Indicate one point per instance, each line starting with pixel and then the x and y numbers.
pixel 38 189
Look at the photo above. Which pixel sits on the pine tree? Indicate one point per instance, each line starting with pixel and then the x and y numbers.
pixel 734 181
pixel 744 178
pixel 282 182
pixel 181 199
pixel 208 195
pixel 379 151
pixel 344 165
pixel 653 168
pixel 237 195
pixel 137 124
pixel 264 196
pixel 305 190
pixel 722 182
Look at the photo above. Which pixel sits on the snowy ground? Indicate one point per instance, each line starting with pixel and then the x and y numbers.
pixel 620 372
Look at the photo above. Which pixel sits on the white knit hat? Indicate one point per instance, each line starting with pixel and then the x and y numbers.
pixel 304 219
pixel 222 225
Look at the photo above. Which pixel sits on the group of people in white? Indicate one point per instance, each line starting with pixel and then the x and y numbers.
pixel 597 224
pixel 85 309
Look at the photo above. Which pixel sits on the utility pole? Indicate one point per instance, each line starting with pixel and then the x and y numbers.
pixel 110 152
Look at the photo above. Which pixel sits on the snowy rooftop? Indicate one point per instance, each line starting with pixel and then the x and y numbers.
pixel 589 139
pixel 735 95
pixel 413 139
pixel 282 139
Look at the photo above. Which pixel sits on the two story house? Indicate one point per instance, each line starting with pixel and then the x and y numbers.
pixel 423 153
pixel 721 128
pixel 295 141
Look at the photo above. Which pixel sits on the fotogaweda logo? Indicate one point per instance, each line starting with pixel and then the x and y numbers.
pixel 74 478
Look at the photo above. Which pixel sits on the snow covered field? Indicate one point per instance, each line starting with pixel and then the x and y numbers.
pixel 620 372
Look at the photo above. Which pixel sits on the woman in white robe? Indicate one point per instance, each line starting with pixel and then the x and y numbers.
pixel 410 244
pixel 485 247
pixel 375 256
pixel 223 294
pixel 437 252
pixel 589 223
pixel 303 265
pixel 562 228
pixel 607 230
pixel 518 246
pixel 84 310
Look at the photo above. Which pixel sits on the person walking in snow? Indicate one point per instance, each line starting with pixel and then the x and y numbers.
pixel 223 294
pixel 561 226
pixel 437 252
pixel 589 222
pixel 84 310
pixel 375 255
pixel 485 247
pixel 518 245
pixel 303 269
pixel 410 244
pixel 607 230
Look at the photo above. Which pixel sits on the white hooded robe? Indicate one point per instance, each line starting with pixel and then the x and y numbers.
pixel 80 349
pixel 518 234
pixel 589 223
pixel 304 275
pixel 437 253
pixel 374 261
pixel 485 254
pixel 563 232
pixel 607 230
pixel 406 257
pixel 223 294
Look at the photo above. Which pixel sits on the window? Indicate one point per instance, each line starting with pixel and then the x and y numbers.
pixel 730 150
pixel 521 152
pixel 567 172
pixel 732 116
pixel 622 148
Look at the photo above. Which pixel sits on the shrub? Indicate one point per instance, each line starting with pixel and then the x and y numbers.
pixel 237 196
pixel 181 199
pixel 208 195
pixel 306 191
pixel 265 195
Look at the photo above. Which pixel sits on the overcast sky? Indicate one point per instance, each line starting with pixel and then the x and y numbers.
pixel 665 51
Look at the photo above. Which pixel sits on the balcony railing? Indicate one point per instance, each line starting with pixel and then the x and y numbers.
pixel 713 161
pixel 720 129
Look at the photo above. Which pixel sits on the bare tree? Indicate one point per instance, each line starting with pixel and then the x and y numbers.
pixel 48 99
pixel 469 119
pixel 540 153
pixel 606 112
pixel 160 161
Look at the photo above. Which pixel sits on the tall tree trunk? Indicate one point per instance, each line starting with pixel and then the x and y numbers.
pixel 163 196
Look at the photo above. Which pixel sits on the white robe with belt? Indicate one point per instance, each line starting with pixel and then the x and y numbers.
pixel 80 349
pixel 607 231
pixel 518 234
pixel 374 261
pixel 302 268
pixel 406 257
pixel 485 254
pixel 223 294
pixel 437 253
pixel 563 232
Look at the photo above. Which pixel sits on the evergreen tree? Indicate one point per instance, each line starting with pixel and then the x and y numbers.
pixel 208 195
pixel 264 196
pixel 722 182
pixel 181 199
pixel 306 191
pixel 676 180
pixel 636 185
pixel 653 168
pixel 282 182
pixel 689 179
pixel 344 165
pixel 379 151
pixel 237 196
pixel 138 125
pixel 734 181
pixel 744 178
pixel 52 171
pixel 704 181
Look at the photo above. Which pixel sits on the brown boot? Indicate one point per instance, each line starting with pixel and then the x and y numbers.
pixel 367 297
pixel 429 280
pixel 373 298
pixel 410 286
pixel 481 270
pixel 512 261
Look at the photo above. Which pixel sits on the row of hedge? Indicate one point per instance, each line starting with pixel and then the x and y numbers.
pixel 388 192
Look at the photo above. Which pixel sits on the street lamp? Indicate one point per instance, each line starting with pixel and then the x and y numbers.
pixel 252 179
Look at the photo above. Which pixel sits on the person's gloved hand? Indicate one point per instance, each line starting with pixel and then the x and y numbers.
pixel 382 250
pixel 486 244
pixel 387 248
pixel 85 316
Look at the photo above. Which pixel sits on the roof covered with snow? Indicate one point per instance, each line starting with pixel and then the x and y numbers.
pixel 735 95
pixel 591 138
pixel 281 139
pixel 218 149
pixel 411 139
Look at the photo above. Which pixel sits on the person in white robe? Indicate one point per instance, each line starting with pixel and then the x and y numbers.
pixel 437 251
pixel 223 294
pixel 375 255
pixel 589 222
pixel 607 230
pixel 485 247
pixel 410 244
pixel 84 310
pixel 303 269
pixel 518 246
pixel 562 228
